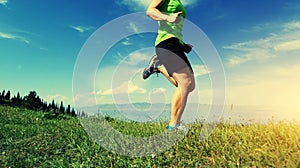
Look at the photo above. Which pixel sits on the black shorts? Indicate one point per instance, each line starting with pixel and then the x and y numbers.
pixel 171 54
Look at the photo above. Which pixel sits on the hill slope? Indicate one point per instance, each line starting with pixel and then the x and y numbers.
pixel 29 139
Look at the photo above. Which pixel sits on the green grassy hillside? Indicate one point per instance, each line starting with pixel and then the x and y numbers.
pixel 30 139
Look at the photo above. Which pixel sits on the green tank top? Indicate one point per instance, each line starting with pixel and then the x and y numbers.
pixel 167 30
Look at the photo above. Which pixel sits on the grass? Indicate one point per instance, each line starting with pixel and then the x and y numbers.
pixel 29 139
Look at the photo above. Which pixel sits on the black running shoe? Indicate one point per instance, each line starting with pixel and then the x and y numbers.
pixel 152 67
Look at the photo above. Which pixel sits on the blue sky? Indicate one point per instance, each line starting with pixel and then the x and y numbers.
pixel 258 42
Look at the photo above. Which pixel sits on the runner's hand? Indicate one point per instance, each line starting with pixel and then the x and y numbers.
pixel 174 18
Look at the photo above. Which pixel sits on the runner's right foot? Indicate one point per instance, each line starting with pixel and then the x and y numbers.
pixel 152 67
pixel 177 127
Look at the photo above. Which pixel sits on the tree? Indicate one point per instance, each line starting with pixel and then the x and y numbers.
pixel 38 103
pixel 32 101
pixel 53 107
pixel 45 107
pixel 73 112
pixel 68 110
pixel 3 94
pixel 7 96
pixel 16 101
pixel 61 108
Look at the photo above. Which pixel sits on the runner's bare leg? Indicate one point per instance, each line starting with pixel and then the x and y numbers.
pixel 163 71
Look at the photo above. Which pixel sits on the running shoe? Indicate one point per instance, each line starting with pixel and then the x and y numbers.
pixel 182 128
pixel 177 127
pixel 171 128
pixel 152 67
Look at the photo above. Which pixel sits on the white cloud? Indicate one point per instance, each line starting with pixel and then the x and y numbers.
pixel 291 25
pixel 286 39
pixel 260 49
pixel 14 37
pixel 127 42
pixel 289 45
pixel 82 29
pixel 236 60
pixel 134 27
pixel 141 5
pixel 158 91
pixel 3 2
pixel 139 56
pixel 7 36
pixel 189 2
pixel 269 71
pixel 135 58
pixel 200 70
pixel 125 88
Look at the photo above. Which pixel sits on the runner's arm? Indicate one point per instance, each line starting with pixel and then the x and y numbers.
pixel 155 14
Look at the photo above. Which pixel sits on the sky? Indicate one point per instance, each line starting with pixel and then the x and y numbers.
pixel 257 42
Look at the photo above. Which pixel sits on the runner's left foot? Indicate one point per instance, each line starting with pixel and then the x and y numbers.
pixel 152 67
